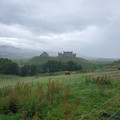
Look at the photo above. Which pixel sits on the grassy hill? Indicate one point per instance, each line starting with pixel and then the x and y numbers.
pixel 86 64
pixel 41 60
pixel 115 64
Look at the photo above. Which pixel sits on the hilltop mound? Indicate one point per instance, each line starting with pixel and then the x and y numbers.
pixel 86 65
pixel 41 60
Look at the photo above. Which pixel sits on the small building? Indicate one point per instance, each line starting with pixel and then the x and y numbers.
pixel 44 54
pixel 66 54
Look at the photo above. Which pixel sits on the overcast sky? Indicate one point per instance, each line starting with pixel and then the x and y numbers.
pixel 87 27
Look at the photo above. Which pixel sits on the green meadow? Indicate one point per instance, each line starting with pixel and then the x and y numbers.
pixel 60 97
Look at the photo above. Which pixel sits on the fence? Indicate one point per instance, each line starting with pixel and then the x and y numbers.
pixel 109 110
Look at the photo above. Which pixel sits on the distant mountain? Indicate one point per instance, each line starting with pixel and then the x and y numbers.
pixel 7 51
pixel 7 47
pixel 10 51
pixel 102 60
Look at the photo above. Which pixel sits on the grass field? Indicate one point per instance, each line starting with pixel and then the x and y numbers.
pixel 84 93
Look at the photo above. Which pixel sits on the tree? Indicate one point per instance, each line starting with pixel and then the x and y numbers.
pixel 55 66
pixel 72 66
pixel 28 70
pixel 51 66
pixel 8 67
pixel 24 70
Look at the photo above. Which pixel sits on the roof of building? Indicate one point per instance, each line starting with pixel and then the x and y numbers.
pixel 44 54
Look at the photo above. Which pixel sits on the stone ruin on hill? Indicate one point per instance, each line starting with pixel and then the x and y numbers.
pixel 66 54
pixel 44 54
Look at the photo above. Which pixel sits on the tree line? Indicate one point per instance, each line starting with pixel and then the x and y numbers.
pixel 9 67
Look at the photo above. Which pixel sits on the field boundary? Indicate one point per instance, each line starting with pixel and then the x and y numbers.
pixel 102 106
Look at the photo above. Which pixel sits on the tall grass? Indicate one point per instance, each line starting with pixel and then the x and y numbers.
pixel 99 80
pixel 103 80
pixel 37 103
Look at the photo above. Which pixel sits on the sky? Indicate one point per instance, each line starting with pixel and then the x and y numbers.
pixel 86 27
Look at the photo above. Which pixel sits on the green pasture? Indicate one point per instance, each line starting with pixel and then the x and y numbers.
pixel 82 87
pixel 12 79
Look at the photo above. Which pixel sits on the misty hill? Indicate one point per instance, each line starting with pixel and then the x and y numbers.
pixel 10 51
pixel 7 47
pixel 102 60
pixel 6 50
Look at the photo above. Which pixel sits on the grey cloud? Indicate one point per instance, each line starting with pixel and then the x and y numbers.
pixel 90 27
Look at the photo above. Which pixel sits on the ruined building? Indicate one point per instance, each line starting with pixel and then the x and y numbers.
pixel 66 54
pixel 44 54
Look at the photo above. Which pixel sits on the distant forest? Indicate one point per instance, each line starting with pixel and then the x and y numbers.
pixel 9 67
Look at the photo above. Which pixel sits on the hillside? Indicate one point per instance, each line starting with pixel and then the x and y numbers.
pixel 85 64
pixel 6 50
pixel 102 60
pixel 41 60
pixel 115 64
pixel 11 51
